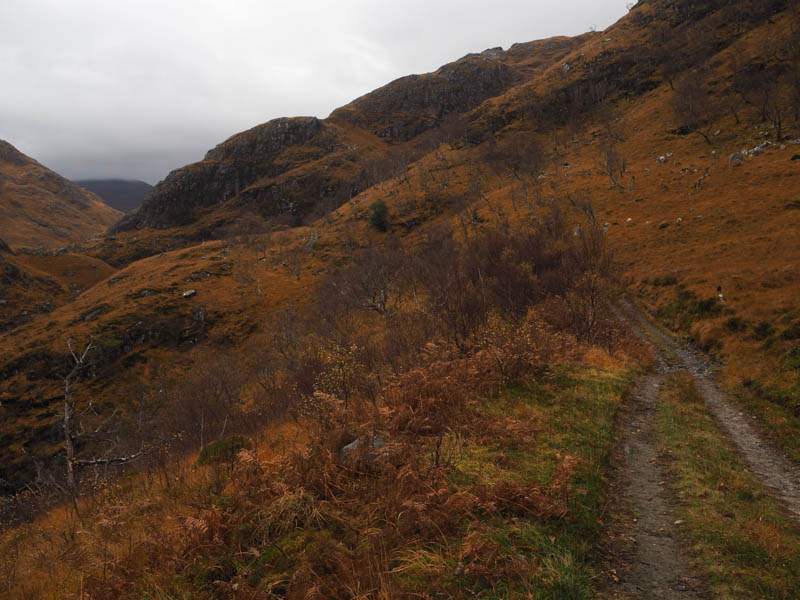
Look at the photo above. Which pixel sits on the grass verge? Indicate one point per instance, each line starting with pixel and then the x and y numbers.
pixel 567 417
pixel 740 537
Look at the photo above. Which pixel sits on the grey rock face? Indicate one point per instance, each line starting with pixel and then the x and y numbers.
pixel 363 452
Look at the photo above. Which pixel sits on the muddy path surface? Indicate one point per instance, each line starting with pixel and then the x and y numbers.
pixel 647 558
pixel 773 469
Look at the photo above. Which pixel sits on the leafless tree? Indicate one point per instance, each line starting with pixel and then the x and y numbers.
pixel 76 432
pixel 374 282
pixel 767 91
pixel 453 129
pixel 612 162
pixel 693 106
pixel 454 294
pixel 669 63
pixel 291 255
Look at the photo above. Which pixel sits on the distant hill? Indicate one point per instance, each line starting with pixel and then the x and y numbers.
pixel 38 207
pixel 123 194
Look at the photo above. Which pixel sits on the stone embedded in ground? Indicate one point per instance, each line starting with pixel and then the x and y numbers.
pixel 362 450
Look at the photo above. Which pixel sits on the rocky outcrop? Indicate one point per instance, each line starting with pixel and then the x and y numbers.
pixel 263 152
pixel 265 142
pixel 12 156
pixel 251 167
pixel 411 105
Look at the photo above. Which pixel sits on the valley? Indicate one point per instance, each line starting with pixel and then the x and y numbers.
pixel 523 327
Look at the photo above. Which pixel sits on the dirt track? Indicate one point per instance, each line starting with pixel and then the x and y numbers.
pixel 646 536
pixel 771 468
pixel 648 558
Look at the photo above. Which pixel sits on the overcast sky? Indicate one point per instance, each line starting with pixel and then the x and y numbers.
pixel 136 88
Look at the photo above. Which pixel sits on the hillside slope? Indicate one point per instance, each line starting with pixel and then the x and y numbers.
pixel 38 207
pixel 586 123
pixel 314 282
pixel 294 168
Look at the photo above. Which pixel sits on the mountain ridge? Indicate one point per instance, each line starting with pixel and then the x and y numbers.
pixel 253 167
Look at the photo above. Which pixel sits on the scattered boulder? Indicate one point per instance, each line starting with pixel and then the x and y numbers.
pixel 200 314
pixel 736 158
pixel 795 157
pixel 363 452
pixel 189 293
pixel 760 148
pixel 92 315
pixel 662 159
pixel 143 293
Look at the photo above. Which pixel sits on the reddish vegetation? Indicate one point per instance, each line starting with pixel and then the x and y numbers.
pixel 626 132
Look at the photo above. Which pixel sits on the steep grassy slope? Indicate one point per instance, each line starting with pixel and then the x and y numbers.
pixel 40 208
pixel 33 284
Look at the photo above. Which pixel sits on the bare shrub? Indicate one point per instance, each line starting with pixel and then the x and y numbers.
pixel 694 107
pixel 613 163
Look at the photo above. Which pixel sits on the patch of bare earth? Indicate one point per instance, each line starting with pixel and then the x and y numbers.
pixel 646 556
